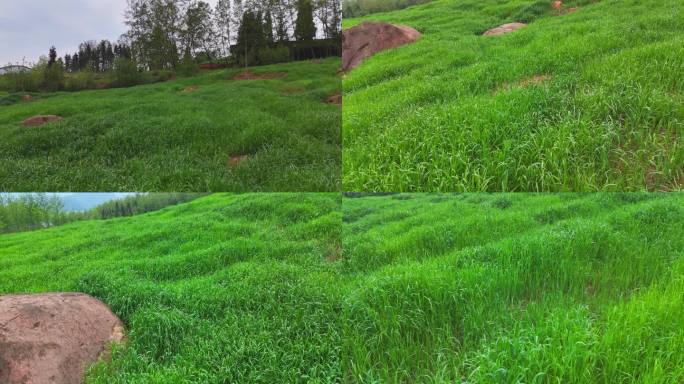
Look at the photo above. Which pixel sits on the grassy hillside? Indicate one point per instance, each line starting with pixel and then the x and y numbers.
pixel 224 289
pixel 514 288
pixel 587 101
pixel 180 135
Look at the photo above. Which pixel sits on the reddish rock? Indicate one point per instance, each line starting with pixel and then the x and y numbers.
pixel 503 29
pixel 53 338
pixel 367 39
pixel 40 120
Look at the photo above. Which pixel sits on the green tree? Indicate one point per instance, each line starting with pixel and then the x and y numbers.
pixel 305 28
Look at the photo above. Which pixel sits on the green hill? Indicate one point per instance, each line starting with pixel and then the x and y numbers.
pixel 224 289
pixel 586 101
pixel 514 288
pixel 424 288
pixel 180 135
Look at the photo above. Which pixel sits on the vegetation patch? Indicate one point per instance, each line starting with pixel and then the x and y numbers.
pixel 426 116
pixel 249 75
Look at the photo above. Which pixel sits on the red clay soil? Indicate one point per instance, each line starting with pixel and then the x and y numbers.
pixel 249 75
pixel 504 29
pixel 212 66
pixel 235 160
pixel 335 99
pixel 40 120
pixel 367 39
pixel 53 338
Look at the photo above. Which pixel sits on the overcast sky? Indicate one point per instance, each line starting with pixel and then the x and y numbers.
pixel 29 27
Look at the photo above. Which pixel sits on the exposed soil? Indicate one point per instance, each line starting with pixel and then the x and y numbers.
pixel 249 75
pixel 293 90
pixel 367 39
pixel 335 99
pixel 558 6
pixel 27 98
pixel 235 160
pixel 189 89
pixel 40 120
pixel 213 66
pixel 534 80
pixel 504 29
pixel 53 338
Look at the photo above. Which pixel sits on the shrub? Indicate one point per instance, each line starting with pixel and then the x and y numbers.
pixel 279 54
pixel 19 82
pixel 53 77
pixel 82 80
pixel 188 67
pixel 126 73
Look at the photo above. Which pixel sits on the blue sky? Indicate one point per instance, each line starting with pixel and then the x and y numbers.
pixel 84 201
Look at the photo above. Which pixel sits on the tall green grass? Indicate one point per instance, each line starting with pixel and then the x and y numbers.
pixel 453 112
pixel 224 289
pixel 514 288
pixel 407 288
pixel 161 137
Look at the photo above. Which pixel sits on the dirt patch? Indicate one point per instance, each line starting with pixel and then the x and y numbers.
pixel 534 80
pixel 504 29
pixel 249 75
pixel 560 8
pixel 103 86
pixel 189 89
pixel 367 39
pixel 335 99
pixel 40 120
pixel 53 338
pixel 235 160
pixel 334 253
pixel 27 98
pixel 212 66
pixel 293 90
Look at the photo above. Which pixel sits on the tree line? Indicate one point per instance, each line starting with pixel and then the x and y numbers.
pixel 33 211
pixel 356 8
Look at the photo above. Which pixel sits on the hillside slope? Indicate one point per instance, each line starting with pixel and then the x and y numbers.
pixel 181 135
pixel 224 289
pixel 514 288
pixel 587 101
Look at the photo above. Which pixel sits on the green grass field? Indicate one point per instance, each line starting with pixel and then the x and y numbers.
pixel 456 111
pixel 159 138
pixel 224 289
pixel 422 288
pixel 514 288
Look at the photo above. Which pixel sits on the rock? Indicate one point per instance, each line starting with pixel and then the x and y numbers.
pixel 53 338
pixel 40 120
pixel 367 39
pixel 503 29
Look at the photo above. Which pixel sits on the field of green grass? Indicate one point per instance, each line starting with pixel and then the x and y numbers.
pixel 514 288
pixel 180 135
pixel 407 288
pixel 457 111
pixel 224 289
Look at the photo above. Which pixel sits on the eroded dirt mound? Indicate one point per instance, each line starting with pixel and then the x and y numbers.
pixel 40 120
pixel 367 39
pixel 506 28
pixel 335 99
pixel 249 75
pixel 52 338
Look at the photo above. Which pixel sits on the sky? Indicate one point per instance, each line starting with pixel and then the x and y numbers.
pixel 82 201
pixel 28 28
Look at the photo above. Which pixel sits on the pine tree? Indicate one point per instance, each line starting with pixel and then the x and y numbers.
pixel 305 29
pixel 268 27
pixel 52 56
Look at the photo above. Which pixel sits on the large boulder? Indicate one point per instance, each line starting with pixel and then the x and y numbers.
pixel 367 39
pixel 53 338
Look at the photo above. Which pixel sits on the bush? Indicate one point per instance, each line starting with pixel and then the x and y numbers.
pixel 279 54
pixel 53 77
pixel 126 73
pixel 188 67
pixel 356 8
pixel 19 82
pixel 82 80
